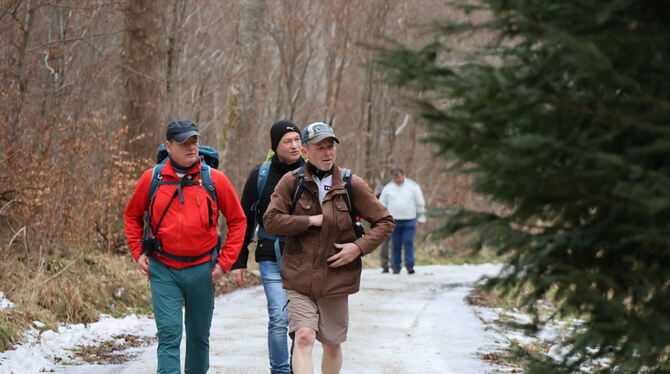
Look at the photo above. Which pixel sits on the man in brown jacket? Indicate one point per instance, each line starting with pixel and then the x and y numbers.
pixel 321 264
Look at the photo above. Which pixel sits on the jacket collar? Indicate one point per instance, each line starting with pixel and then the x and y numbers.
pixel 337 177
pixel 284 168
pixel 168 170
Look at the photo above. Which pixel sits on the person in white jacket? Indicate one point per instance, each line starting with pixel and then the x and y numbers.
pixel 404 200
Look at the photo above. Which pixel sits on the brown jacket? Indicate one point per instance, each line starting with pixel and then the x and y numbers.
pixel 304 267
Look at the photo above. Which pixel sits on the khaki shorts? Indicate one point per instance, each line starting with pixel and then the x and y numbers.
pixel 328 316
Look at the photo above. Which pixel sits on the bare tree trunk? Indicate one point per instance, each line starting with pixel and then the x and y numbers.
pixel 242 91
pixel 144 77
pixel 336 57
pixel 173 47
pixel 21 74
pixel 371 111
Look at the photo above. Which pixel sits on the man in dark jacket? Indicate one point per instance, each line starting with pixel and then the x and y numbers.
pixel 183 268
pixel 285 141
pixel 321 264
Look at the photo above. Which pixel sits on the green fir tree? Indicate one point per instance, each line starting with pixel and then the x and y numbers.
pixel 564 119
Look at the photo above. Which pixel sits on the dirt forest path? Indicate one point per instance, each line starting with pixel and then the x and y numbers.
pixel 399 324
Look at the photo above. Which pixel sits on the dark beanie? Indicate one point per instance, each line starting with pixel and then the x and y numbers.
pixel 279 129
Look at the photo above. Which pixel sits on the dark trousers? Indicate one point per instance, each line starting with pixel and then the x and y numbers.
pixel 384 254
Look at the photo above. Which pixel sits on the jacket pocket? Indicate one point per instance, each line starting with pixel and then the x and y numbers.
pixel 342 216
pixel 304 207
pixel 343 280
pixel 292 247
pixel 291 269
pixel 204 207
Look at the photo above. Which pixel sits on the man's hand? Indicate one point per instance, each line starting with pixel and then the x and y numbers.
pixel 316 220
pixel 348 252
pixel 238 277
pixel 217 273
pixel 143 264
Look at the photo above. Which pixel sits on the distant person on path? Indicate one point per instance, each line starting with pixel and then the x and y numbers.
pixel 384 249
pixel 384 255
pixel 321 264
pixel 404 200
pixel 180 256
pixel 285 141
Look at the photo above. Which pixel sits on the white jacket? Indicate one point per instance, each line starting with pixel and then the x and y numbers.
pixel 404 201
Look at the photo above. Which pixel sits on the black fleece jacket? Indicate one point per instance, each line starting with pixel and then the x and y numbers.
pixel 265 248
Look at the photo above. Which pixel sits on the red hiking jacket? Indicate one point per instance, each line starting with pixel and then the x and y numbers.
pixel 188 229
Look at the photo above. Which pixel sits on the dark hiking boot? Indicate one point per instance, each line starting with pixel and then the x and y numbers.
pixel 396 271
pixel 385 269
pixel 410 270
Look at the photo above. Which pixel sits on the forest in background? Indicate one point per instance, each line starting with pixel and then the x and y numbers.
pixel 87 88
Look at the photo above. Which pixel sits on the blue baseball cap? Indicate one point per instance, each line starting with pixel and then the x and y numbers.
pixel 316 132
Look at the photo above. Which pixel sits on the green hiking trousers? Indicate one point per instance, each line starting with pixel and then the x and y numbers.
pixel 171 289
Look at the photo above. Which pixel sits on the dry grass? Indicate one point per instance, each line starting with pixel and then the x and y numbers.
pixel 76 289
pixel 449 251
pixel 112 351
pixel 61 235
pixel 69 289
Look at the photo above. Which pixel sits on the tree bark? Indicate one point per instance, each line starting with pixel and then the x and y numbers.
pixel 26 25
pixel 144 77
pixel 243 89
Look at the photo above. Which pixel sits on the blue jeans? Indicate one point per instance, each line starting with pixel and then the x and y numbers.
pixel 278 317
pixel 403 236
pixel 170 289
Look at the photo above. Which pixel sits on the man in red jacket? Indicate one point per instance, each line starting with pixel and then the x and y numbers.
pixel 181 267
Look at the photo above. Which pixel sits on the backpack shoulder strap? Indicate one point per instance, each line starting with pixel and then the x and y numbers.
pixel 156 178
pixel 262 178
pixel 346 177
pixel 297 186
pixel 207 182
pixel 348 196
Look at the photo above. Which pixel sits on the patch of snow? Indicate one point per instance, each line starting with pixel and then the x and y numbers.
pixel 47 351
pixel 4 302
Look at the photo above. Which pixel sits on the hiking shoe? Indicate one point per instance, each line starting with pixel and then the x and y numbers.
pixel 385 270
pixel 410 270
pixel 396 271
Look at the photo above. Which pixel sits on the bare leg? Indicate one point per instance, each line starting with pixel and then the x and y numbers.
pixel 302 351
pixel 332 359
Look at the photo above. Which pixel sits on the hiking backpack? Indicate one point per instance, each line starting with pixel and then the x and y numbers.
pixel 210 159
pixel 261 180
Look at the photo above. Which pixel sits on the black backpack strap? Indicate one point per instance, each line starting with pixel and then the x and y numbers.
pixel 164 212
pixel 297 186
pixel 348 196
pixel 346 177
